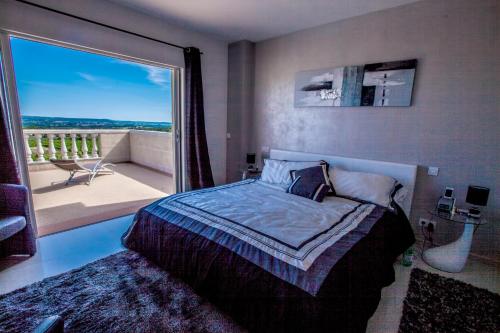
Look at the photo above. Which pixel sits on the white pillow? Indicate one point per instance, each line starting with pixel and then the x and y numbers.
pixel 277 172
pixel 370 187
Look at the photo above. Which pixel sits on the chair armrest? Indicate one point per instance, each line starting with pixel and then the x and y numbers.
pixel 52 324
pixel 13 199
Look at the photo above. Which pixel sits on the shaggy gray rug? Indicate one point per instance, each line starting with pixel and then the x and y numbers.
pixel 438 304
pixel 121 293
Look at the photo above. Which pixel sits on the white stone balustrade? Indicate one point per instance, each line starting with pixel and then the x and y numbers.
pixel 52 149
pixel 148 148
pixel 39 148
pixel 60 135
pixel 94 145
pixel 84 146
pixel 64 150
pixel 28 149
pixel 74 147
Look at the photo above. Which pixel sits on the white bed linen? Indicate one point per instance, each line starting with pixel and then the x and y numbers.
pixel 289 227
pixel 278 172
pixel 366 186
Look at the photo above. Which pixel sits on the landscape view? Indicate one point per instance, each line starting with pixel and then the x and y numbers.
pixel 39 122
pixel 65 89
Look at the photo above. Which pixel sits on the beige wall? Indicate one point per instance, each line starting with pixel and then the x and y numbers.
pixel 239 106
pixel 152 149
pixel 23 18
pixel 115 147
pixel 454 119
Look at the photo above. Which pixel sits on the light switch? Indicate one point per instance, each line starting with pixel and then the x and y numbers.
pixel 433 171
pixel 228 135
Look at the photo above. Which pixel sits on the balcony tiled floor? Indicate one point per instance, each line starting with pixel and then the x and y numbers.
pixel 59 207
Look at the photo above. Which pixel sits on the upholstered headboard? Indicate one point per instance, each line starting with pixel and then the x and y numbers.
pixel 404 173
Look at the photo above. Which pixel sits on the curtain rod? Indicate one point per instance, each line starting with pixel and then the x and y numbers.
pixel 102 24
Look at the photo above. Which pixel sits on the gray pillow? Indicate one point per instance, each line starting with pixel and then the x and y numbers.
pixel 309 188
pixel 316 173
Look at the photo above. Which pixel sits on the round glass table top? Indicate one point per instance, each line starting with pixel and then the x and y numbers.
pixel 458 217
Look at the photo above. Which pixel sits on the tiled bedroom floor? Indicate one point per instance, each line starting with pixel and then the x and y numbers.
pixel 64 251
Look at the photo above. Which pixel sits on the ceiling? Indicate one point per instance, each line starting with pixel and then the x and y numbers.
pixel 256 20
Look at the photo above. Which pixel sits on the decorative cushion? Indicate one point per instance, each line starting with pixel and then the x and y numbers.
pixel 316 173
pixel 277 172
pixel 310 188
pixel 11 225
pixel 370 187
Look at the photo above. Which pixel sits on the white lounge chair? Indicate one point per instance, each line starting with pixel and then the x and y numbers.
pixel 91 168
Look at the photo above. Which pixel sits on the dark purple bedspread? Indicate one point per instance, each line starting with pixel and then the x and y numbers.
pixel 263 302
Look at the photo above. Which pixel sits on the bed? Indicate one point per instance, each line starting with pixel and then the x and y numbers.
pixel 277 262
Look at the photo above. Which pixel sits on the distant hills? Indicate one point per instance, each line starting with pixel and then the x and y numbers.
pixel 37 122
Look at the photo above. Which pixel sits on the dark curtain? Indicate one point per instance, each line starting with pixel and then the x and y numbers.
pixel 8 167
pixel 199 172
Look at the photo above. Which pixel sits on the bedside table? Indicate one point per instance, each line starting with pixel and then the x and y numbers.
pixel 453 256
pixel 247 174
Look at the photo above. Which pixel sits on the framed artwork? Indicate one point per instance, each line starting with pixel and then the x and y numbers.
pixel 380 84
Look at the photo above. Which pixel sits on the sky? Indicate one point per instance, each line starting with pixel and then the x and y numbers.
pixel 53 81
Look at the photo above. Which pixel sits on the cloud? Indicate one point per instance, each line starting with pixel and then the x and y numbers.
pixel 87 76
pixel 156 75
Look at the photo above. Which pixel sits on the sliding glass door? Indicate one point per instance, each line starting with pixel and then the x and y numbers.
pixel 98 133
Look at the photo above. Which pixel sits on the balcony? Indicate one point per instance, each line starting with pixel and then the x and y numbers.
pixel 143 174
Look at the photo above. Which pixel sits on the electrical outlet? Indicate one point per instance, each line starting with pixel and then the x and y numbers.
pixel 433 171
pixel 425 222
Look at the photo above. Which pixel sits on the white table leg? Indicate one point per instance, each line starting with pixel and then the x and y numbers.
pixel 451 257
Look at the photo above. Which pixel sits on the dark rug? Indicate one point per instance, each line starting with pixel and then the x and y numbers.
pixel 438 304
pixel 121 293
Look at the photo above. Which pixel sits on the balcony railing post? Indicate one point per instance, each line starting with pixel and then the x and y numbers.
pixel 74 147
pixel 64 150
pixel 52 149
pixel 39 148
pixel 95 153
pixel 84 146
pixel 27 147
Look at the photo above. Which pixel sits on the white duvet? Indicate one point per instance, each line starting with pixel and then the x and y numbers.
pixel 289 227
